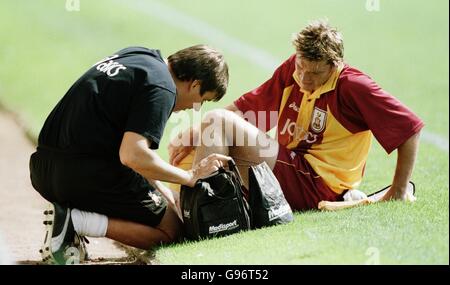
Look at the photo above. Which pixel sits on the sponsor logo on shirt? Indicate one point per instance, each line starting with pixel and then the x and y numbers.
pixel 110 67
pixel 319 119
pixel 291 128
pixel 223 227
pixel 298 133
pixel 293 106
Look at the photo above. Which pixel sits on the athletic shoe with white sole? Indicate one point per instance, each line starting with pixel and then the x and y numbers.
pixel 62 245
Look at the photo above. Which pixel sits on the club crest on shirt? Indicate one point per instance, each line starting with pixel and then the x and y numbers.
pixel 318 120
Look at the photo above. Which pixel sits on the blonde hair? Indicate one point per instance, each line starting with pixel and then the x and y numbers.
pixel 319 41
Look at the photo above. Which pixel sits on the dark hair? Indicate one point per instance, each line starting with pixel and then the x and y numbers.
pixel 318 41
pixel 201 63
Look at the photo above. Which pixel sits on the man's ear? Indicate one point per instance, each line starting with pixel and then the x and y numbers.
pixel 196 84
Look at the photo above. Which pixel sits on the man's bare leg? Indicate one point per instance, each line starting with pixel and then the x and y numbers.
pixel 235 137
pixel 142 236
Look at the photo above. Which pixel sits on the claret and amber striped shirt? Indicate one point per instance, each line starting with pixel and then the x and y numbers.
pixel 332 128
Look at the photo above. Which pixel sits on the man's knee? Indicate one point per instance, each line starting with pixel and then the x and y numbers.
pixel 217 128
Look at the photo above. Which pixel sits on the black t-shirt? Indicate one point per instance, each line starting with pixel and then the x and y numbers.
pixel 131 90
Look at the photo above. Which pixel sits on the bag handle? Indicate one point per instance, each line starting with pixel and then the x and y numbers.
pixel 234 168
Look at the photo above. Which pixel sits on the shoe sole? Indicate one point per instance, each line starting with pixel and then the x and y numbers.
pixel 76 253
pixel 46 249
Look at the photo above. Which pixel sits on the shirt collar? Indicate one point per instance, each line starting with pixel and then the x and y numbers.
pixel 329 85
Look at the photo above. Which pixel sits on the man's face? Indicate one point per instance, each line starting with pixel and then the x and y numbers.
pixel 312 74
pixel 198 100
pixel 190 98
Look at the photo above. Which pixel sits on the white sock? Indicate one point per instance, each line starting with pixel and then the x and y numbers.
pixel 89 224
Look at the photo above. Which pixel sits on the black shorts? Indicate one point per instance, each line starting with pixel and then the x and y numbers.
pixel 96 185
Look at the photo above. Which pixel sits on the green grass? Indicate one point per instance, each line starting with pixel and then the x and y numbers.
pixel 404 47
pixel 396 232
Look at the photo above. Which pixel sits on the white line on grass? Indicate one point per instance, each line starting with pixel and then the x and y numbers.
pixel 220 39
pixel 436 140
pixel 203 30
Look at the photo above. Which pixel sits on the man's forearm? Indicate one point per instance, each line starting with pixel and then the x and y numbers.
pixel 134 152
pixel 406 157
pixel 151 166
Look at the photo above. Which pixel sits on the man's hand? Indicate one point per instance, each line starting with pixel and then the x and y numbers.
pixel 182 145
pixel 406 156
pixel 398 194
pixel 207 166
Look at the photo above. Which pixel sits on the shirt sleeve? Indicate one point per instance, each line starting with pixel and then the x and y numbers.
pixel 370 107
pixel 149 112
pixel 267 97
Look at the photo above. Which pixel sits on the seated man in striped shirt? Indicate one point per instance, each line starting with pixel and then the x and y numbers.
pixel 326 113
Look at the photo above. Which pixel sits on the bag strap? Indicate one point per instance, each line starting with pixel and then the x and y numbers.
pixel 233 167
